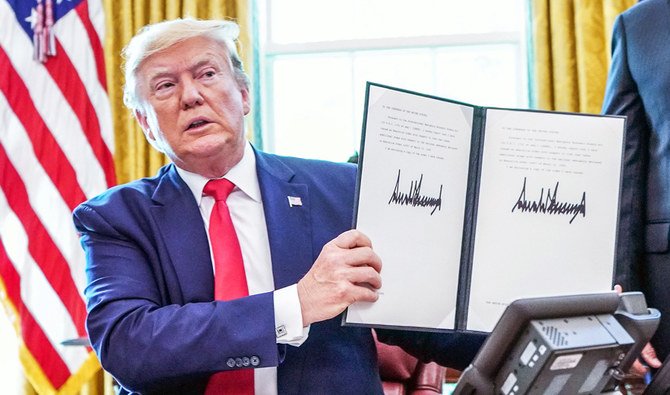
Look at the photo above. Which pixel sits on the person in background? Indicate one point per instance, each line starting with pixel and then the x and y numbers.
pixel 638 87
pixel 228 271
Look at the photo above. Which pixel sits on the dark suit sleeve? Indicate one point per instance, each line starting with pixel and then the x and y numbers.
pixel 148 342
pixel 452 349
pixel 623 98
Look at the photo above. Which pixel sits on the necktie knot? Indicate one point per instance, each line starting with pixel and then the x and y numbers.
pixel 219 189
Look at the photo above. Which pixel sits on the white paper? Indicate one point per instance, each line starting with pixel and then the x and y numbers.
pixel 411 205
pixel 543 219
pixel 555 235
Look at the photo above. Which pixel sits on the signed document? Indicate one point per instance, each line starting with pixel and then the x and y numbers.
pixel 471 208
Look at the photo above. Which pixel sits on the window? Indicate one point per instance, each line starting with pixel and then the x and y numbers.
pixel 315 57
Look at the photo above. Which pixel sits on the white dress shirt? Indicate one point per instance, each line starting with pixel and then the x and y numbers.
pixel 246 209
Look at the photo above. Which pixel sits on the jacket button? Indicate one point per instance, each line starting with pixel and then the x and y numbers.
pixel 238 362
pixel 245 361
pixel 230 362
pixel 255 361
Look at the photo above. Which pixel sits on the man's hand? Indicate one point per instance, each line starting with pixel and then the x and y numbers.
pixel 346 271
pixel 647 355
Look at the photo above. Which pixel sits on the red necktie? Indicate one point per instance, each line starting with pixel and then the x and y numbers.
pixel 230 281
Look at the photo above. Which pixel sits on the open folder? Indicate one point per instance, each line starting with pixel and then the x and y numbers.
pixel 472 207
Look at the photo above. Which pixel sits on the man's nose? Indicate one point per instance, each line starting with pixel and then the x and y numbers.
pixel 190 95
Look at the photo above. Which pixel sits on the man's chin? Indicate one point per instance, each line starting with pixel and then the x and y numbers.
pixel 212 145
pixel 211 154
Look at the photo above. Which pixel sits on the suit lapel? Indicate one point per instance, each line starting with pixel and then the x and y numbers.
pixel 178 218
pixel 289 227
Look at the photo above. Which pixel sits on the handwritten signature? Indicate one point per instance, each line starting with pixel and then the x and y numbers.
pixel 550 204
pixel 413 197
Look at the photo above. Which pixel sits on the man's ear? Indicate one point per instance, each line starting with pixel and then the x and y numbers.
pixel 246 101
pixel 142 120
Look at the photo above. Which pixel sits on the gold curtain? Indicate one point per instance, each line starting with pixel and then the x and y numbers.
pixel 571 52
pixel 133 156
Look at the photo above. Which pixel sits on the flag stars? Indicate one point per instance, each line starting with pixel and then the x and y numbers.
pixel 33 18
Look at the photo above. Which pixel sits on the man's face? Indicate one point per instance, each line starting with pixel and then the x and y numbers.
pixel 193 107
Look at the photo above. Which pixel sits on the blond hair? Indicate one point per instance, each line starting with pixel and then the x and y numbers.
pixel 159 36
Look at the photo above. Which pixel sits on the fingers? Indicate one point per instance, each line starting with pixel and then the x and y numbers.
pixel 361 293
pixel 346 271
pixel 358 254
pixel 647 359
pixel 352 239
pixel 648 355
pixel 352 248
pixel 365 276
pixel 638 369
pixel 363 256
pixel 352 267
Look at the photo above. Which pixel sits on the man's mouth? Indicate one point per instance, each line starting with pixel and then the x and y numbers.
pixel 196 124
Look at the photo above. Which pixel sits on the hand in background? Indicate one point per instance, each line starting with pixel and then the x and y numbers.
pixel 647 357
pixel 346 271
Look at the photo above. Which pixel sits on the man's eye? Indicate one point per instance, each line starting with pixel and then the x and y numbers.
pixel 208 74
pixel 164 85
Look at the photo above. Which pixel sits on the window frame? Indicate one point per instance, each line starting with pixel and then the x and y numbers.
pixel 267 51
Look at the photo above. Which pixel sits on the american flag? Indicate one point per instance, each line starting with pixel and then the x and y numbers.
pixel 56 144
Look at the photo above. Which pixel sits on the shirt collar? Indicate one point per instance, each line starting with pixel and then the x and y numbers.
pixel 243 175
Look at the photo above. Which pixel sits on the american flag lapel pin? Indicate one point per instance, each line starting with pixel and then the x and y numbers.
pixel 294 201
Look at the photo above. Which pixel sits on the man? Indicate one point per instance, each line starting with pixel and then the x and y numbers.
pixel 638 86
pixel 153 320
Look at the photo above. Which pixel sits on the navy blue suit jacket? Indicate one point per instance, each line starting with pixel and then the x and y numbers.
pixel 152 319
pixel 638 87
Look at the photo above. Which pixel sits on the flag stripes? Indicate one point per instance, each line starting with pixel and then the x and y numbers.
pixel 94 41
pixel 61 71
pixel 36 292
pixel 40 245
pixel 33 336
pixel 50 102
pixel 91 73
pixel 56 147
pixel 48 152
